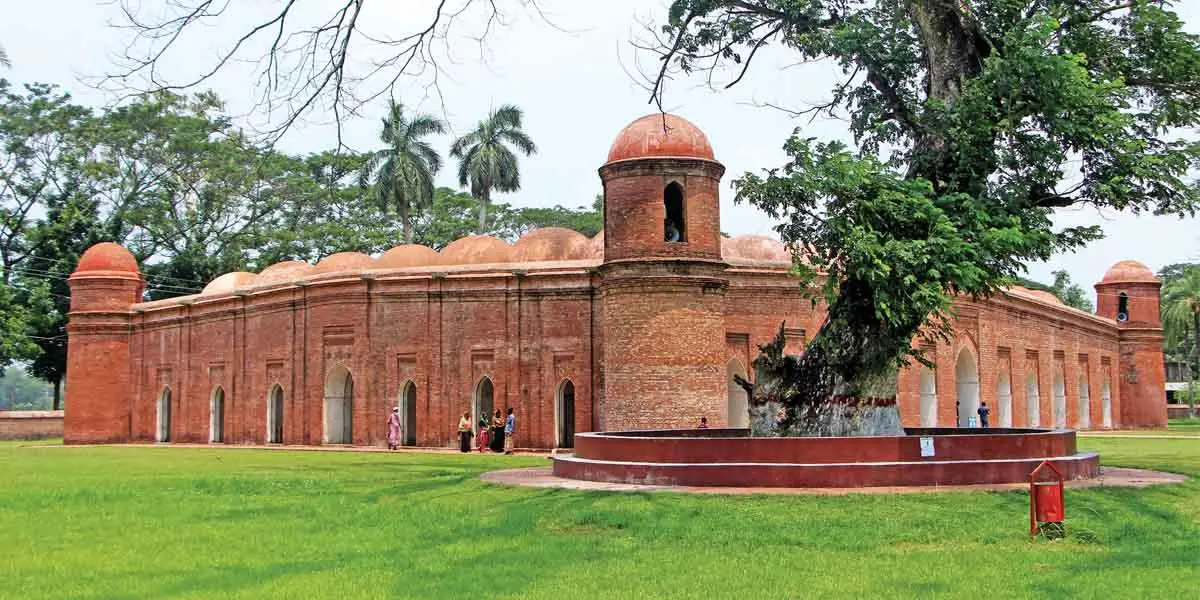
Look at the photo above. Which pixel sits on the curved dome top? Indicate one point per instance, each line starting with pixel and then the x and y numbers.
pixel 660 135
pixel 228 282
pixel 107 256
pixel 1129 271
pixel 758 248
pixel 283 272
pixel 476 249
pixel 408 255
pixel 344 261
pixel 551 243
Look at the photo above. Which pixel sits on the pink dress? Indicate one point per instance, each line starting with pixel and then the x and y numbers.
pixel 394 429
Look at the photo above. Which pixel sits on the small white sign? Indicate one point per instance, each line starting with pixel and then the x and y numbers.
pixel 972 422
pixel 926 447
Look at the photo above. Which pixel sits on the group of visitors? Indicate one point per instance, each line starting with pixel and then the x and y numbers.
pixel 495 433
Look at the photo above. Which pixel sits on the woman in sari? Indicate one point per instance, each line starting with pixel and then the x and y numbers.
pixel 497 432
pixel 485 433
pixel 464 432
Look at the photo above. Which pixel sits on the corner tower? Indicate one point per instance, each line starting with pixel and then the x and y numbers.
pixel 104 287
pixel 662 280
pixel 1129 294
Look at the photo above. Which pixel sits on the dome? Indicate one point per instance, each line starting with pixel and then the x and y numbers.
pixel 596 247
pixel 107 256
pixel 228 282
pixel 551 243
pixel 1039 295
pixel 476 249
pixel 757 248
pixel 408 255
pixel 344 261
pixel 1129 271
pixel 660 135
pixel 283 272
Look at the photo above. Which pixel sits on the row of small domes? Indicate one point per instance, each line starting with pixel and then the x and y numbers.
pixel 550 244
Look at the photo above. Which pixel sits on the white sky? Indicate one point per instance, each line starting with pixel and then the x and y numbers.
pixel 577 92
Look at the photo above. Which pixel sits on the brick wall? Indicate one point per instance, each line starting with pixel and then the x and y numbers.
pixel 31 424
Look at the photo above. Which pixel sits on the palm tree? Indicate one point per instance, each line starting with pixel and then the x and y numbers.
pixel 484 160
pixel 4 58
pixel 403 171
pixel 1181 311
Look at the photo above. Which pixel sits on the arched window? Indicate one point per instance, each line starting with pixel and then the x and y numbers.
pixel 216 416
pixel 408 413
pixel 564 415
pixel 339 406
pixel 929 403
pixel 162 432
pixel 275 415
pixel 966 376
pixel 1106 402
pixel 1123 307
pixel 1004 398
pixel 675 223
pixel 1033 403
pixel 1084 420
pixel 481 408
pixel 1060 400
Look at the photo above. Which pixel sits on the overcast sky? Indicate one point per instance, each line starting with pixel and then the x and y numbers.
pixel 574 83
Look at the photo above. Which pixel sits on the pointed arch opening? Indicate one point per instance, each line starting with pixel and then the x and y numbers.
pixel 275 415
pixel 564 415
pixel 675 221
pixel 339 406
pixel 1123 307
pixel 408 413
pixel 1033 403
pixel 216 416
pixel 1004 404
pixel 162 431
pixel 737 403
pixel 966 377
pixel 1084 419
pixel 1106 402
pixel 1060 400
pixel 929 403
pixel 482 405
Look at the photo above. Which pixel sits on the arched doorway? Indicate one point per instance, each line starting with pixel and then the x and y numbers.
pixel 216 416
pixel 1060 400
pixel 1033 403
pixel 929 403
pixel 1106 403
pixel 162 432
pixel 1085 403
pixel 966 378
pixel 481 408
pixel 275 415
pixel 737 403
pixel 339 406
pixel 408 413
pixel 1004 399
pixel 564 415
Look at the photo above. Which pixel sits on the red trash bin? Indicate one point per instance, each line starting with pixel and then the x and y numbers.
pixel 1047 508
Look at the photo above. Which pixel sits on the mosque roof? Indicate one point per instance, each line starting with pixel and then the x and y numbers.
pixel 660 135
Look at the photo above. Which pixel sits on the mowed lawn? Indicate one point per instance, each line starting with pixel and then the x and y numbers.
pixel 114 522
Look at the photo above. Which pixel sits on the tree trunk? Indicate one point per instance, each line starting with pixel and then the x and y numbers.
pixel 57 394
pixel 406 225
pixel 484 200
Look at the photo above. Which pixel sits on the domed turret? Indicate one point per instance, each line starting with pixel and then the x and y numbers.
pixel 1129 294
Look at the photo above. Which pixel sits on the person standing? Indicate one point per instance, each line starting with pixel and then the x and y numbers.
pixel 464 432
pixel 703 422
pixel 510 430
pixel 393 425
pixel 485 432
pixel 983 411
pixel 497 432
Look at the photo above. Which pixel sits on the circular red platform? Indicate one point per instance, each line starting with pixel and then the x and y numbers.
pixel 730 457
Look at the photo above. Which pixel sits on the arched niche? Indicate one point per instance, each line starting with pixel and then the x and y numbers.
pixel 275 415
pixel 674 213
pixel 162 429
pixel 339 406
pixel 216 416
pixel 482 405
pixel 966 383
pixel 408 413
pixel 737 402
pixel 1004 401
pixel 929 401
pixel 564 415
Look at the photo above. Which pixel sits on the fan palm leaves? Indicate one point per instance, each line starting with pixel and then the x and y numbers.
pixel 1181 311
pixel 486 163
pixel 401 174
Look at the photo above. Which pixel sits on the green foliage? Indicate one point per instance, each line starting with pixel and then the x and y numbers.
pixel 485 161
pixel 1063 288
pixel 403 171
pixel 1181 313
pixel 20 391
pixel 966 123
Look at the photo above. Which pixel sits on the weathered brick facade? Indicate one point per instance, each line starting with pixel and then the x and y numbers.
pixel 647 332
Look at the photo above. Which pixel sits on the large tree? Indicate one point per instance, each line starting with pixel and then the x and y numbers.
pixel 973 121
pixel 401 174
pixel 485 161
pixel 1181 314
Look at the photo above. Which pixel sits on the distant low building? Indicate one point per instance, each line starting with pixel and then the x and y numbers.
pixel 1178 376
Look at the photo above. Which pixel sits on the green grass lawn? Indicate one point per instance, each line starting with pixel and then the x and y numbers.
pixel 236 523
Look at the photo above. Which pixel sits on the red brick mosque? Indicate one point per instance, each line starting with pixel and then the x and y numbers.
pixel 642 326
